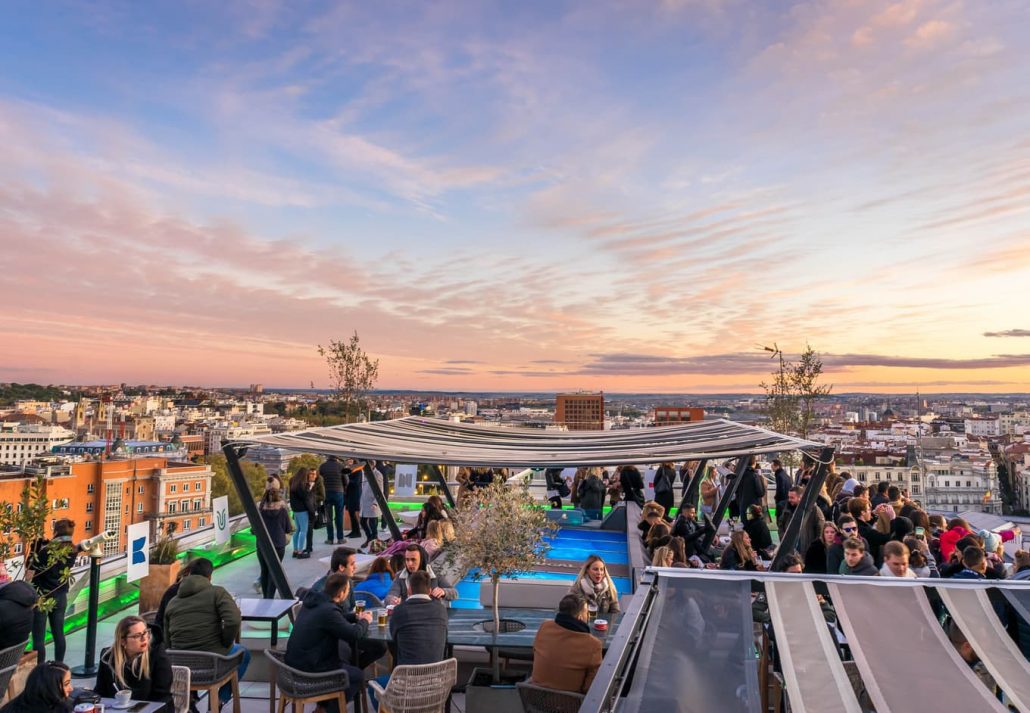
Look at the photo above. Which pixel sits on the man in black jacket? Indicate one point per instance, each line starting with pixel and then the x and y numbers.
pixel 632 484
pixel 17 599
pixel 783 482
pixel 418 627
pixel 692 532
pixel 314 645
pixel 336 482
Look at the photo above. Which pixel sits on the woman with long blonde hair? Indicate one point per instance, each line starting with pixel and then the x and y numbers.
pixel 662 557
pixel 132 663
pixel 596 586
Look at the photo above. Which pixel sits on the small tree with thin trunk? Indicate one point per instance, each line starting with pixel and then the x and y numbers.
pixel 26 521
pixel 791 396
pixel 352 374
pixel 499 533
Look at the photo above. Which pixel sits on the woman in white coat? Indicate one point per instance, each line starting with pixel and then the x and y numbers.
pixel 370 510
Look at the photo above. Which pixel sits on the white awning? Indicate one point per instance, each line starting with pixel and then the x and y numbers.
pixel 423 440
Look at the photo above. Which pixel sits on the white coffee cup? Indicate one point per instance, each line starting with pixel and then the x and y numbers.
pixel 123 697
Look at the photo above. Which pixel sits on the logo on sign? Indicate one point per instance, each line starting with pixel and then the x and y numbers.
pixel 139 553
pixel 405 480
pixel 220 519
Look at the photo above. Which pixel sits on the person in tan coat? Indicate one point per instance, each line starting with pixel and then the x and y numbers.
pixel 566 655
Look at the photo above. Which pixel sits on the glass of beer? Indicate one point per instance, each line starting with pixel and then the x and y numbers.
pixel 359 606
pixel 592 610
pixel 381 617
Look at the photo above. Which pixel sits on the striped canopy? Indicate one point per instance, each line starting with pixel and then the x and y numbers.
pixel 423 440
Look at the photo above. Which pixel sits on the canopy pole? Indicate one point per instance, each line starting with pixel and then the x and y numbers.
pixel 377 492
pixel 724 501
pixel 690 493
pixel 789 538
pixel 265 548
pixel 441 479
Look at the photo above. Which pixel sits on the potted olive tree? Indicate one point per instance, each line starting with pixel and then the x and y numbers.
pixel 499 532
pixel 164 569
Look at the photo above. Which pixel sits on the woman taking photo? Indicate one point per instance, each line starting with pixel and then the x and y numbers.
pixel 595 585
pixel 134 663
pixel 46 691
pixel 50 561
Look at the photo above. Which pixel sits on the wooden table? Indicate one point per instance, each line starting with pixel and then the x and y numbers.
pixel 134 706
pixel 270 610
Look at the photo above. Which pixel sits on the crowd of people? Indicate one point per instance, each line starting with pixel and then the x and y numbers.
pixel 850 530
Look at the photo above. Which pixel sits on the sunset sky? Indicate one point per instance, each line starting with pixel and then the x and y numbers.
pixel 618 195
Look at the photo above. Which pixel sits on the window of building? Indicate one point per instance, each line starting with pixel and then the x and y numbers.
pixel 172 488
pixel 89 488
pixel 89 506
pixel 140 489
pixel 201 522
pixel 969 484
pixel 198 486
pixel 88 526
pixel 18 548
pixel 173 507
pixel 185 487
pixel 187 525
pixel 139 507
pixel 198 504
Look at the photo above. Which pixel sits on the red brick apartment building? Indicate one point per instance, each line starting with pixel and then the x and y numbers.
pixel 671 415
pixel 582 411
pixel 112 494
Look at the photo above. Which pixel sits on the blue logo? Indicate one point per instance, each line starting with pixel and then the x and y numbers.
pixel 139 553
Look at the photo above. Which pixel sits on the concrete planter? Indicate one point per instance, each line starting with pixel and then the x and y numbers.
pixel 153 586
pixel 482 695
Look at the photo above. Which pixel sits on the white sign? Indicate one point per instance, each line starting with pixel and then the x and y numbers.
pixel 649 474
pixel 220 506
pixel 405 478
pixel 137 552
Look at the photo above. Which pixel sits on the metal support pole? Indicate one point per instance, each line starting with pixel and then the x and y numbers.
pixel 265 547
pixel 724 501
pixel 377 492
pixel 691 492
pixel 89 666
pixel 789 538
pixel 442 480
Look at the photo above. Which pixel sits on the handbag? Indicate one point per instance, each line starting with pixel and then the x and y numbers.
pixel 320 517
pixel 563 489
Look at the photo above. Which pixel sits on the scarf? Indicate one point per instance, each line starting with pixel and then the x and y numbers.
pixel 593 591
pixel 571 623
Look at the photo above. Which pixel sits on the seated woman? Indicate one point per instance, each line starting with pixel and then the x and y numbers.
pixel 757 529
pixel 596 586
pixel 659 534
pixel 132 663
pixel 379 579
pixel 432 509
pixel 739 555
pixel 650 514
pixel 46 691
pixel 663 557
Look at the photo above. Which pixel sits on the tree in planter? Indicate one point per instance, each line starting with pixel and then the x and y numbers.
pixel 25 523
pixel 499 532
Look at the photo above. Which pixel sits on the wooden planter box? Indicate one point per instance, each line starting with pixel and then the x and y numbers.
pixel 153 586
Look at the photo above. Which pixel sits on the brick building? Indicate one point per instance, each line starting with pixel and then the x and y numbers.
pixel 671 415
pixel 580 411
pixel 112 494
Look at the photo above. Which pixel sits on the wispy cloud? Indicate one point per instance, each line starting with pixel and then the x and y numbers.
pixel 1009 333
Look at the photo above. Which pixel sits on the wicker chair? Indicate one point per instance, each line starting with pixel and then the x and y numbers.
pixel 417 689
pixel 371 600
pixel 6 674
pixel 300 687
pixel 180 689
pixel 12 654
pixel 537 699
pixel 209 672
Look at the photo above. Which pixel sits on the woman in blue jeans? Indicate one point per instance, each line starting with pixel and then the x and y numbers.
pixel 304 502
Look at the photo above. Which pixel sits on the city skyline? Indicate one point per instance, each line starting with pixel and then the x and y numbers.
pixel 534 197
